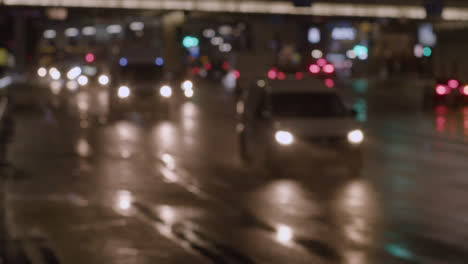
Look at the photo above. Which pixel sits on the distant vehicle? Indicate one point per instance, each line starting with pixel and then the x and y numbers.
pixel 139 87
pixel 449 68
pixel 449 92
pixel 282 122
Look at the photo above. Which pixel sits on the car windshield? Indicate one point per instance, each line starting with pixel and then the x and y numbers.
pixel 305 105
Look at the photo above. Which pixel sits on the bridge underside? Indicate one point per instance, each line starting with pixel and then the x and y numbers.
pixel 257 7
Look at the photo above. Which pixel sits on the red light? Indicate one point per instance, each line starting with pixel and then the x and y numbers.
pixel 196 70
pixel 441 110
pixel 453 84
pixel 314 68
pixel 89 57
pixel 207 66
pixel 329 68
pixel 329 83
pixel 321 62
pixel 440 123
pixel 299 76
pixel 441 90
pixel 236 74
pixel 226 66
pixel 272 74
pixel 281 76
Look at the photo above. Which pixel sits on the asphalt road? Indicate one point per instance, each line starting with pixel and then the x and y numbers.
pixel 87 188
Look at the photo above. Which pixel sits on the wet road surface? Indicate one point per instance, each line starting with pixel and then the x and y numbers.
pixel 87 188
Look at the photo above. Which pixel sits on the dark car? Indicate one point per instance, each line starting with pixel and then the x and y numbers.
pixel 139 87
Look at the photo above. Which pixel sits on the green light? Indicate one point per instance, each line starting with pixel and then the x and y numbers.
pixel 399 251
pixel 190 42
pixel 427 51
pixel 360 49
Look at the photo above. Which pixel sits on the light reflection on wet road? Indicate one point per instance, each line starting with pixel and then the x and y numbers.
pixel 174 191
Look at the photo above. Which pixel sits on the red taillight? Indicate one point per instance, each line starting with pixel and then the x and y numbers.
pixel 281 76
pixel 196 70
pixel 329 83
pixel 321 62
pixel 236 74
pixel 299 76
pixel 442 89
pixel 453 83
pixel 207 66
pixel 226 66
pixel 89 57
pixel 314 68
pixel 272 74
pixel 328 68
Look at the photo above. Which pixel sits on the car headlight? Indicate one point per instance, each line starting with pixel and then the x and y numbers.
pixel 54 73
pixel 187 85
pixel 355 137
pixel 83 80
pixel 103 79
pixel 166 91
pixel 123 92
pixel 42 72
pixel 284 138
pixel 188 93
pixel 73 73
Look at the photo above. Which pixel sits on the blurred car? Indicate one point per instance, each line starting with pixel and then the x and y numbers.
pixel 450 92
pixel 139 87
pixel 287 121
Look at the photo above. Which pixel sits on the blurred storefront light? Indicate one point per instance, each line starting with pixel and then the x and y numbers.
pixel 49 34
pixel 418 51
pixel 226 47
pixel 159 61
pixel 225 30
pixel 209 33
pixel 317 54
pixel 88 31
pixel 426 35
pixel 123 62
pixel 351 54
pixel 114 29
pixel 137 26
pixel 71 32
pixel 313 35
pixel 344 33
pixel 217 41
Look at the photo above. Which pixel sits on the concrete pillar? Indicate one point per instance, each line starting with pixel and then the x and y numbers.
pixel 172 50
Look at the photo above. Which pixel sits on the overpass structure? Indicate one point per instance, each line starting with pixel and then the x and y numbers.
pixel 454 10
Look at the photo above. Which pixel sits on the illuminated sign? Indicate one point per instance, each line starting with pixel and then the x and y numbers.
pixel 343 33
pixel 313 35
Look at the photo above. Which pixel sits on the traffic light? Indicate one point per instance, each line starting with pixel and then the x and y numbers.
pixel 190 42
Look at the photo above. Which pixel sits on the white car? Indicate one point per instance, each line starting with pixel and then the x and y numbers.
pixel 284 122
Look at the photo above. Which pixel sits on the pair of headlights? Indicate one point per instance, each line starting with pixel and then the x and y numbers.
pixel 285 138
pixel 124 91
